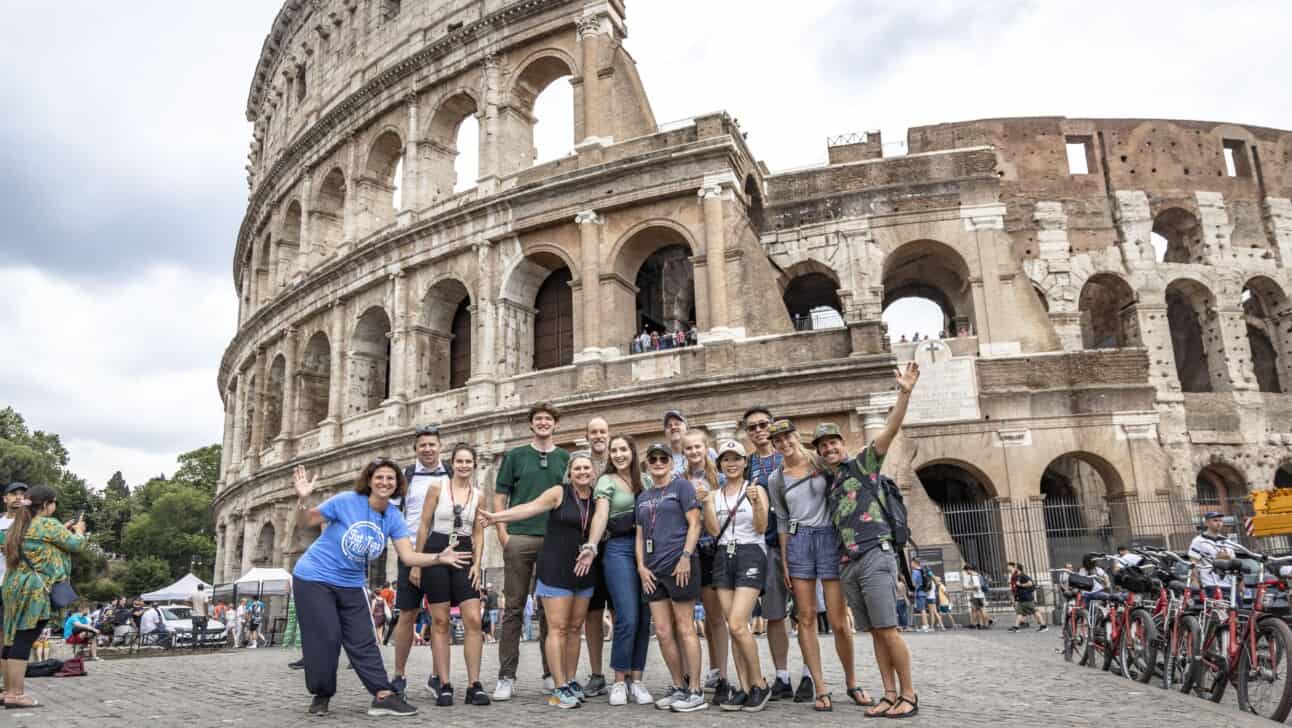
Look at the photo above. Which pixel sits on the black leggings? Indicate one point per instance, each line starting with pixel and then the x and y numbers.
pixel 23 640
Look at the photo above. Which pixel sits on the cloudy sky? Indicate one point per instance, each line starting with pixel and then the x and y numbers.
pixel 123 141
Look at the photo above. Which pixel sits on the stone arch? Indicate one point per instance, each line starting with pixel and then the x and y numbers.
pixel 1083 505
pixel 545 270
pixel 934 271
pixel 1265 305
pixel 441 148
pixel 327 218
pixel 1199 357
pixel 967 500
pixel 369 369
pixel 249 414
pixel 235 567
pixel 314 377
pixel 1107 308
pixel 535 74
pixel 444 338
pixel 810 291
pixel 657 259
pixel 289 242
pixel 262 277
pixel 379 185
pixel 1220 486
pixel 274 391
pixel 1177 236
pixel 263 556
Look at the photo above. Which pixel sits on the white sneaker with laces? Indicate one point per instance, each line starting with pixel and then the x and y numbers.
pixel 641 695
pixel 619 694
pixel 504 688
pixel 549 685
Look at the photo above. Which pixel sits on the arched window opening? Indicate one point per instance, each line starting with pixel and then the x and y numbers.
pixel 453 151
pixel 1220 487
pixel 541 128
pixel 263 556
pixel 658 261
pixel 249 416
pixel 274 399
pixel 328 216
pixel 757 216
pixel 445 344
pixel 1107 306
pixel 970 514
pixel 1081 511
pixel 1283 476
pixel 381 181
pixel 466 166
pixel 289 247
pixel 554 321
pixel 915 316
pixel 1271 346
pixel 369 376
pixel 812 300
pixel 938 276
pixel 554 121
pixel 301 89
pixel 1181 234
pixel 314 382
pixel 1188 306
pixel 460 346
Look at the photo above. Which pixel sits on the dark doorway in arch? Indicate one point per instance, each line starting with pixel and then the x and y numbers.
pixel 235 568
pixel 969 513
pixel 1220 487
pixel 757 216
pixel 666 290
pixel 1183 313
pixel 554 322
pixel 813 302
pixel 1264 360
pixel 1262 297
pixel 1283 476
pixel 1107 313
pixel 460 346
pixel 1078 516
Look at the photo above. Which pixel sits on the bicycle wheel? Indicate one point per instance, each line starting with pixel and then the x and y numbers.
pixel 1179 664
pixel 1210 672
pixel 1262 681
pixel 1081 637
pixel 1070 635
pixel 1137 650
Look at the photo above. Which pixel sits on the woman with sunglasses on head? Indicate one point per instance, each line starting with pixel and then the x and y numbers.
pixel 449 523
pixel 735 515
pixel 615 500
pixel 700 468
pixel 668 528
pixel 810 552
pixel 564 588
pixel 328 581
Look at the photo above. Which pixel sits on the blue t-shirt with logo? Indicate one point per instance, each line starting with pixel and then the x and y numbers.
pixel 354 534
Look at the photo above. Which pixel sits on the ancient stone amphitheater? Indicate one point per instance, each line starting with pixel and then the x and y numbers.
pixel 1116 349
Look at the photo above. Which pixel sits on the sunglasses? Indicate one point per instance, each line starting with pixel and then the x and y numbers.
pixel 427 430
pixel 542 460
pixel 659 459
pixel 457 517
pixel 759 425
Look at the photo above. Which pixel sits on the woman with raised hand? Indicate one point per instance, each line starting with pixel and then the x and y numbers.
pixel 668 528
pixel 736 517
pixel 701 469
pixel 449 522
pixel 564 589
pixel 328 581
pixel 614 503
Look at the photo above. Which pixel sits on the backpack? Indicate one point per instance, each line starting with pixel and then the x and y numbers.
pixel 44 668
pixel 73 667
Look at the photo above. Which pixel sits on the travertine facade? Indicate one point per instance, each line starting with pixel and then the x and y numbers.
pixel 1076 360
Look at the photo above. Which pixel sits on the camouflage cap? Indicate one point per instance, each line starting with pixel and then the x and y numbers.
pixel 825 430
pixel 781 427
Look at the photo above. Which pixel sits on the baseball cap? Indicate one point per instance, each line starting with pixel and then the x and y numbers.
pixel 824 430
pixel 731 446
pixel 658 447
pixel 781 427
pixel 671 414
pixel 16 486
pixel 1206 516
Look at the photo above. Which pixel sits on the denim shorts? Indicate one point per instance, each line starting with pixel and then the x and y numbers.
pixel 543 590
pixel 813 553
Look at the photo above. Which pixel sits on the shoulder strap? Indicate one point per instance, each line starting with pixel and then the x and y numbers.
pixel 731 515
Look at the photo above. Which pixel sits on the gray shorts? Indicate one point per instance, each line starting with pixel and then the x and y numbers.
pixel 870 586
pixel 775 600
pixel 813 552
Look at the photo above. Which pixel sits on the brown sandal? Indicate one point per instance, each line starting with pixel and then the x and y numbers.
pixel 858 695
pixel 884 701
pixel 829 703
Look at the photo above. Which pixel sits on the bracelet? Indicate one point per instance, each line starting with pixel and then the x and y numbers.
pixel 589 547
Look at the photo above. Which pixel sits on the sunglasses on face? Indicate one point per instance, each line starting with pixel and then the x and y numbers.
pixel 760 425
pixel 658 459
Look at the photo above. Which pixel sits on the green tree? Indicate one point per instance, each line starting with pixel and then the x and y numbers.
pixel 199 469
pixel 102 589
pixel 176 528
pixel 113 514
pixel 145 574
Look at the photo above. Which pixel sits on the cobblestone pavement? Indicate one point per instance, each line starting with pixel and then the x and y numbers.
pixel 964 678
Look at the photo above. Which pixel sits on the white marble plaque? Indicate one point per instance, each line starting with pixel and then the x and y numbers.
pixel 948 388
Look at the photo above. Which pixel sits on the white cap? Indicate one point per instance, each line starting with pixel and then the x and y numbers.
pixel 731 446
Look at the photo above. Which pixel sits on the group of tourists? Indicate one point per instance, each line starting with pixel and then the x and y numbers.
pixel 644 533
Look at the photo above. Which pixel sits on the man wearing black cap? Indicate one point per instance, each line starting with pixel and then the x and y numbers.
pixel 1208 546
pixel 13 495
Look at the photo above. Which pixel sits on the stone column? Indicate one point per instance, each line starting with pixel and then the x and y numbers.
pixel 401 358
pixel 254 278
pixel 1217 230
pixel 722 431
pixel 221 537
pixel 232 559
pixel 986 223
pixel 250 535
pixel 590 40
pixel 410 192
pixel 1134 221
pixel 1228 347
pixel 227 465
pixel 491 127
pixel 712 196
pixel 287 432
pixel 874 415
pixel 309 253
pixel 258 417
pixel 330 429
pixel 350 210
pixel 271 288
pixel 1278 215
pixel 590 226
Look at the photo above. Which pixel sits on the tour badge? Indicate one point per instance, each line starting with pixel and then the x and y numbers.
pixel 362 542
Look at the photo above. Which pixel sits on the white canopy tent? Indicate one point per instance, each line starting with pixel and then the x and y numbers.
pixel 180 591
pixel 265 582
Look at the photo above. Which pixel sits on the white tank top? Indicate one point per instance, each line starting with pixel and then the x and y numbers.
pixel 741 530
pixel 442 521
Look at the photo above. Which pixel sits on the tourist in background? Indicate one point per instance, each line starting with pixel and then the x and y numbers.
pixel 598 434
pixel 974 585
pixel 200 601
pixel 703 473
pixel 79 632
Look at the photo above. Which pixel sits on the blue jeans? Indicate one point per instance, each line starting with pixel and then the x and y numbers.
pixel 632 619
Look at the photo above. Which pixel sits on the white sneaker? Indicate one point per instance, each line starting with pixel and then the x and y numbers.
pixel 549 685
pixel 502 691
pixel 925 628
pixel 619 694
pixel 641 695
pixel 689 703
pixel 711 679
pixel 671 696
pixel 251 646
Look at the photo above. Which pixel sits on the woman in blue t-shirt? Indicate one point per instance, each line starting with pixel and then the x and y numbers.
pixel 328 581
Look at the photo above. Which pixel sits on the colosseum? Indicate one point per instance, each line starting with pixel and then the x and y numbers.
pixel 1116 347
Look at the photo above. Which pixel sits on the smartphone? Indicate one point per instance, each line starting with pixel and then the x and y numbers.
pixel 80 516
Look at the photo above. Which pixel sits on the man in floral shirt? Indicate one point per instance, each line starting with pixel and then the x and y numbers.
pixel 869 575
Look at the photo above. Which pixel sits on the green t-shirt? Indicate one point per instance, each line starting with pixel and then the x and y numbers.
pixel 622 502
pixel 523 477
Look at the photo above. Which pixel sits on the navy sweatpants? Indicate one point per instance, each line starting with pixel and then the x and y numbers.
pixel 332 617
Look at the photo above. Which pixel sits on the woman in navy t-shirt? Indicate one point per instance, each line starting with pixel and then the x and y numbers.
pixel 328 581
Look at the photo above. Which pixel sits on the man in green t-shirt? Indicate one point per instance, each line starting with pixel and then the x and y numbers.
pixel 524 473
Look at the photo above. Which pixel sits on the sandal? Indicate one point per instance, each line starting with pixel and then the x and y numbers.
pixel 829 703
pixel 913 701
pixel 10 705
pixel 887 704
pixel 858 695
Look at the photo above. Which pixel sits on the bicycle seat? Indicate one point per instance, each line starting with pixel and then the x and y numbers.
pixel 1229 566
pixel 1177 587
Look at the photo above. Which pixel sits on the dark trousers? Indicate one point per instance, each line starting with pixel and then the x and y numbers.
pixel 519 559
pixel 199 630
pixel 332 617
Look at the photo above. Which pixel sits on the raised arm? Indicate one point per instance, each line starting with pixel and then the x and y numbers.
pixel 550 500
pixel 428 515
pixel 447 557
pixel 305 486
pixel 906 380
pixel 710 518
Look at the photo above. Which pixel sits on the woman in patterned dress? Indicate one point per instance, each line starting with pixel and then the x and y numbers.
pixel 34 564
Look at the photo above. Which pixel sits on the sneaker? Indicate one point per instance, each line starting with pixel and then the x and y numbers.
pixel 670 696
pixel 924 628
pixel 689 703
pixel 758 698
pixel 618 693
pixel 549 685
pixel 563 698
pixel 712 678
pixel 641 695
pixel 433 683
pixel 596 686
pixel 1012 629
pixel 806 692
pixel 721 692
pixel 735 700
pixel 318 706
pixel 298 665
pixel 781 690
pixel 251 646
pixel 391 705
pixel 502 691
pixel 1042 628
pixel 445 697
pixel 399 684
pixel 574 687
pixel 476 695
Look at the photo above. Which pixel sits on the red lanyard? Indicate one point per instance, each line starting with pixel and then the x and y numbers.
pixel 585 509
